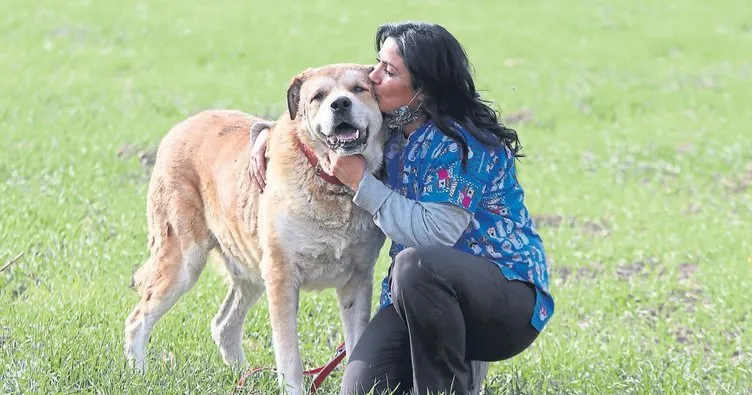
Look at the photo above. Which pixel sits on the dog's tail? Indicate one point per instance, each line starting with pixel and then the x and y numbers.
pixel 142 273
pixel 137 280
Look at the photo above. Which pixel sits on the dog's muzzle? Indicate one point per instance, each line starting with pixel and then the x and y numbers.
pixel 346 138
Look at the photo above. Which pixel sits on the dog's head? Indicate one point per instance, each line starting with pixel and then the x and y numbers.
pixel 336 106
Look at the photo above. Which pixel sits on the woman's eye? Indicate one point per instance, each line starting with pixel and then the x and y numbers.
pixel 389 73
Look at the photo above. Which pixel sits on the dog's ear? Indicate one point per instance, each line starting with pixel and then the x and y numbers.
pixel 293 94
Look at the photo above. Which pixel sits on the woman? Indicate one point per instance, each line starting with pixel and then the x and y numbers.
pixel 468 279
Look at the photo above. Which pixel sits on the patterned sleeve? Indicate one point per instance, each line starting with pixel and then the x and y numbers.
pixel 446 181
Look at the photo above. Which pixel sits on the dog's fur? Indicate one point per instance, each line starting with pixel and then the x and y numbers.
pixel 301 233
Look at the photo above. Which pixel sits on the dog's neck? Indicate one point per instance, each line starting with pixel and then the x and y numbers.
pixel 314 161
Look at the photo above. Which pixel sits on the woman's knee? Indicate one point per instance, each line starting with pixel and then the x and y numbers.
pixel 407 270
pixel 380 359
pixel 421 263
pixel 360 378
pixel 356 378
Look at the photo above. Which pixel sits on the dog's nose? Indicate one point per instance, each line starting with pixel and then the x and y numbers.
pixel 341 104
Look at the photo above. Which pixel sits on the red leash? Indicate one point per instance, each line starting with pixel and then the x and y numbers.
pixel 320 373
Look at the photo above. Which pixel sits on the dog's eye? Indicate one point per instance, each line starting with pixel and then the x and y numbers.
pixel 359 89
pixel 318 96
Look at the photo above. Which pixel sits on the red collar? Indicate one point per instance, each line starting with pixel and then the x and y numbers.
pixel 314 161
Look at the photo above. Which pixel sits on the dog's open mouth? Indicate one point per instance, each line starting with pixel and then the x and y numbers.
pixel 347 137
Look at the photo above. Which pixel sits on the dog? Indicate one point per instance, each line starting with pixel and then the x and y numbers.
pixel 302 232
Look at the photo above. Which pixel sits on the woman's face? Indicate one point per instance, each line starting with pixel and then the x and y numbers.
pixel 391 79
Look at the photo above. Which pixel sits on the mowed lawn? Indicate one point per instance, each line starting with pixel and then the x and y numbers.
pixel 636 120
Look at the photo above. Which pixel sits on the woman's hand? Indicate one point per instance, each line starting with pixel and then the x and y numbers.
pixel 257 166
pixel 348 169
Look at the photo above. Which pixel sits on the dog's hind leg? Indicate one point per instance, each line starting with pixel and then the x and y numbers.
pixel 227 325
pixel 171 270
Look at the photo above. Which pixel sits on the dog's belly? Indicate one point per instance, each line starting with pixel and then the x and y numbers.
pixel 241 252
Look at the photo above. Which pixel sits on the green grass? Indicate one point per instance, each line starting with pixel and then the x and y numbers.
pixel 638 142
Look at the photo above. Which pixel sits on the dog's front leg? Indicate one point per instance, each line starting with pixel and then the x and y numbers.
pixel 283 297
pixel 355 306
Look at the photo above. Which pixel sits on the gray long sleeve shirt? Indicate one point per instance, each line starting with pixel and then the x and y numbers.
pixel 410 222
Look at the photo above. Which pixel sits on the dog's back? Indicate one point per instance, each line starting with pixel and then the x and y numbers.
pixel 197 183
pixel 187 181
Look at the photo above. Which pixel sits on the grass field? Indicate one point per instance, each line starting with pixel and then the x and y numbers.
pixel 635 118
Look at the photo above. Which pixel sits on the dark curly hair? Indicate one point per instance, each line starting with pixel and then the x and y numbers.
pixel 438 64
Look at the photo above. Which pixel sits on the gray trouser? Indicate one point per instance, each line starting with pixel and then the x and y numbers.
pixel 449 308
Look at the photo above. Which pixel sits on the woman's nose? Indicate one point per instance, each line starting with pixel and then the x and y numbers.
pixel 374 75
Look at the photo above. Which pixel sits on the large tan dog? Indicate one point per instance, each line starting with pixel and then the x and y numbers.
pixel 302 232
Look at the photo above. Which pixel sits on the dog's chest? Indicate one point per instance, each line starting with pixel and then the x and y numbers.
pixel 327 252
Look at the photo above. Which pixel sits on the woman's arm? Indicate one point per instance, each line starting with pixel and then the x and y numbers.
pixel 409 222
pixel 257 166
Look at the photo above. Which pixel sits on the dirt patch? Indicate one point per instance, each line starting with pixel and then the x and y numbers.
pixel 691 208
pixel 563 274
pixel 682 335
pixel 739 184
pixel 592 227
pixel 686 149
pixel 736 357
pixel 549 221
pixel 513 62
pixel 627 271
pixel 705 82
pixel 74 33
pixel 646 167
pixel 687 270
pixel 688 298
pixel 519 117
pixel 18 291
pixel 146 155
pixel 4 336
